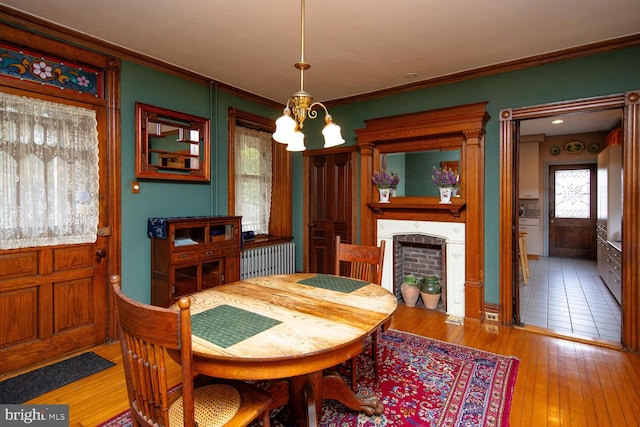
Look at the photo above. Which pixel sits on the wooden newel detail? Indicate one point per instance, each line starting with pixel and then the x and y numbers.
pixel 461 127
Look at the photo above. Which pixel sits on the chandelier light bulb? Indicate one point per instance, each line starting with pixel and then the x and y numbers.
pixel 296 143
pixel 332 134
pixel 285 127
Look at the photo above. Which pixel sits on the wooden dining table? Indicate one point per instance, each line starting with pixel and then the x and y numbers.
pixel 291 329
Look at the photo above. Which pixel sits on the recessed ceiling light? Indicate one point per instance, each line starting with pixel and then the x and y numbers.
pixel 411 75
pixel 557 121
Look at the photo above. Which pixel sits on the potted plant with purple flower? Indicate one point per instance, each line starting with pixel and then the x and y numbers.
pixel 385 182
pixel 446 180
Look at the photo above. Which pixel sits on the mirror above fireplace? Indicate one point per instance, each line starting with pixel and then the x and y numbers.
pixel 415 168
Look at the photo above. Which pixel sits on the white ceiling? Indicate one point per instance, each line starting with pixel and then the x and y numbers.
pixel 354 46
pixel 596 121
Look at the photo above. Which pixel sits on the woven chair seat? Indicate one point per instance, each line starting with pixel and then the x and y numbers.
pixel 215 405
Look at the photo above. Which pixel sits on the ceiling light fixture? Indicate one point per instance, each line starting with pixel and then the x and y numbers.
pixel 299 107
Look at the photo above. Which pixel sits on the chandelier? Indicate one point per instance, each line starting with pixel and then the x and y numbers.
pixel 299 107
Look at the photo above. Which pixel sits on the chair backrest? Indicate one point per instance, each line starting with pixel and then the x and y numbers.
pixel 363 262
pixel 146 333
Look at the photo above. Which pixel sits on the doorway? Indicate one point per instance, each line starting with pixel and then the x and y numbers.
pixel 565 293
pixel 509 208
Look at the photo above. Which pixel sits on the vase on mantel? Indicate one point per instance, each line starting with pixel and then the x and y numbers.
pixel 445 194
pixel 384 194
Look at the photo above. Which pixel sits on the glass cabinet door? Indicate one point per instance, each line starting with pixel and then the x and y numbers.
pixel 186 280
pixel 212 273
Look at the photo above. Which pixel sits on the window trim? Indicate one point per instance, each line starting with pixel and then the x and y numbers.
pixel 281 218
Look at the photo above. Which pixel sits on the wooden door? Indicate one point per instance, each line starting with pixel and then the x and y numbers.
pixel 330 199
pixel 572 211
pixel 53 299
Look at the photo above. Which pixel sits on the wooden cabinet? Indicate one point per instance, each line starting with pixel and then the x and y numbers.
pixel 191 254
pixel 529 170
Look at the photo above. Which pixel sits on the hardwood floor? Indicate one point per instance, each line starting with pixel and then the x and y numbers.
pixel 560 382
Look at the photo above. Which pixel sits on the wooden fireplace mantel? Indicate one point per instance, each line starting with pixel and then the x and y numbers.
pixel 420 210
pixel 461 127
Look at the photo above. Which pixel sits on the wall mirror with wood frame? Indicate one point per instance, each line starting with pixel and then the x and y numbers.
pixel 415 168
pixel 171 145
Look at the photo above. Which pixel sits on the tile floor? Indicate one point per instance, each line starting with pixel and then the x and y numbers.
pixel 568 296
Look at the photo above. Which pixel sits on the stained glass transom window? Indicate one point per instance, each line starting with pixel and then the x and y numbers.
pixel 43 70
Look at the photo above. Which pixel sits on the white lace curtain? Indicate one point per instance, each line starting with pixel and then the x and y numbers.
pixel 48 173
pixel 253 178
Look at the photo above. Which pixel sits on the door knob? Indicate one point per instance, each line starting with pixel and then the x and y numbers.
pixel 100 253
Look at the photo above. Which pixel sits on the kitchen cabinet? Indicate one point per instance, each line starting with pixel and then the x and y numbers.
pixel 609 204
pixel 532 227
pixel 613 273
pixel 609 226
pixel 191 254
pixel 528 170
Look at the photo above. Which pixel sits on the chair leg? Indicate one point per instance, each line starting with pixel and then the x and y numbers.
pixel 374 355
pixel 354 364
pixel 266 421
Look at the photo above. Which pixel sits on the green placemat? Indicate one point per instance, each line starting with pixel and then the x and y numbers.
pixel 334 283
pixel 226 325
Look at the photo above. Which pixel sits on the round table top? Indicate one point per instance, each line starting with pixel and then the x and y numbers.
pixel 276 327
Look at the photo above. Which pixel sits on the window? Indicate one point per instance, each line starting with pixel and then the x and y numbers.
pixel 49 173
pixel 573 193
pixel 253 178
pixel 259 177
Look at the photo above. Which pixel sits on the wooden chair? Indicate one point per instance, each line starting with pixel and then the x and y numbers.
pixel 363 263
pixel 146 334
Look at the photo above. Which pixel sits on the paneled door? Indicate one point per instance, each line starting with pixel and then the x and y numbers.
pixel 572 211
pixel 53 299
pixel 330 207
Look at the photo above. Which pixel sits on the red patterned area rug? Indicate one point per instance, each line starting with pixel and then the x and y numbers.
pixel 422 382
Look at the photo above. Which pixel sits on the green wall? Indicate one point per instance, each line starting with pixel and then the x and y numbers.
pixel 159 198
pixel 602 74
pixel 596 75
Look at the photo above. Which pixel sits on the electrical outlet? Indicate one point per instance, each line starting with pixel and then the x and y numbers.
pixel 492 316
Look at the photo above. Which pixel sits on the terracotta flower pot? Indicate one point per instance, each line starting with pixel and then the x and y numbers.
pixel 430 300
pixel 410 294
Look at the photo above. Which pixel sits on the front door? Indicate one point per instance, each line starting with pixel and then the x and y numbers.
pixel 53 299
pixel 330 198
pixel 572 211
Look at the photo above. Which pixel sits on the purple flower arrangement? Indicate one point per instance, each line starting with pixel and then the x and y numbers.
pixel 444 177
pixel 385 179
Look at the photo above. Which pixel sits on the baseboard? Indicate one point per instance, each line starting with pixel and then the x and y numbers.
pixel 533 256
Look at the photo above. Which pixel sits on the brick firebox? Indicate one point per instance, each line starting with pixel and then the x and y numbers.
pixel 421 256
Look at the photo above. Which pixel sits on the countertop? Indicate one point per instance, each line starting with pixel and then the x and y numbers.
pixel 616 244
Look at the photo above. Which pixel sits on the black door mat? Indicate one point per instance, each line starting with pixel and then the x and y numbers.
pixel 40 381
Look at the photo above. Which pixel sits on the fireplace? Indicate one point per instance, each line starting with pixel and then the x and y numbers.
pixel 442 240
pixel 422 256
